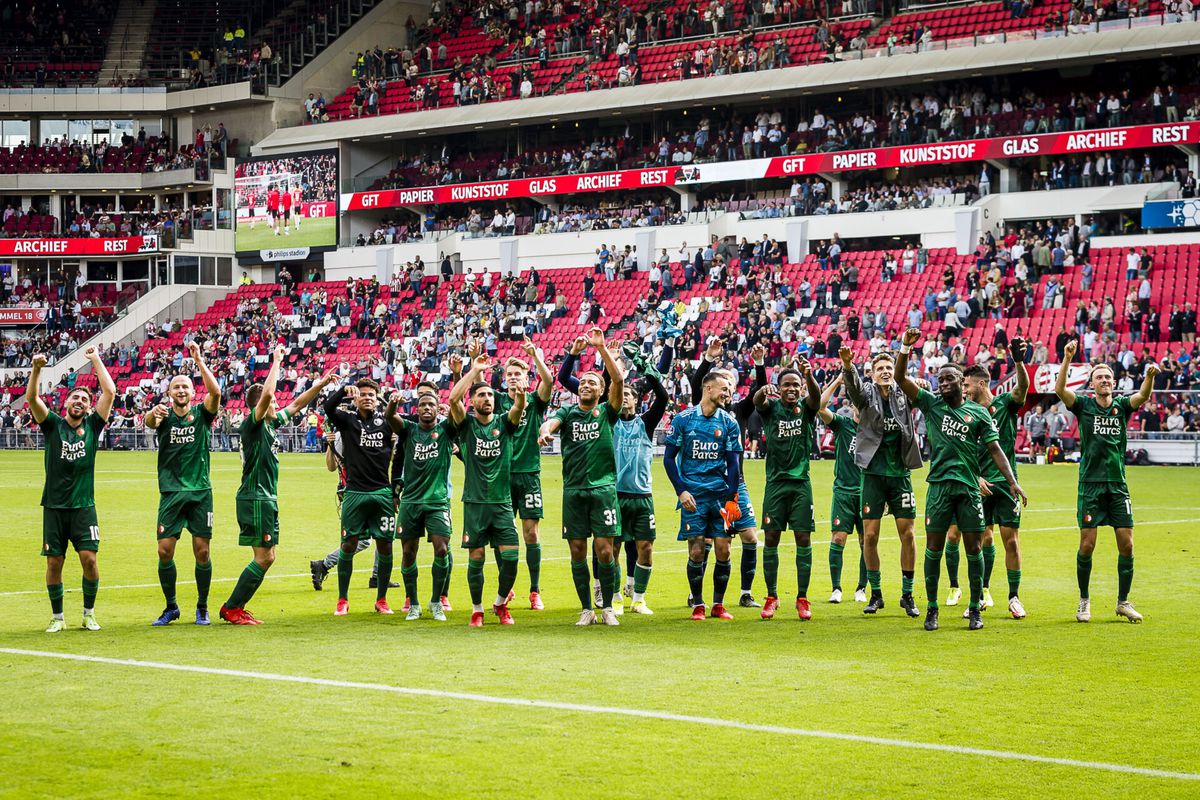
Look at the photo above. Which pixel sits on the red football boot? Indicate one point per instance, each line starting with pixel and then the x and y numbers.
pixel 770 604
pixel 503 614
pixel 803 608
pixel 535 601
pixel 343 607
pixel 446 604
pixel 382 607
pixel 698 613
pixel 476 619
pixel 719 612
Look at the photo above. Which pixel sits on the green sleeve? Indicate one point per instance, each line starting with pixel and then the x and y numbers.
pixel 767 411
pixel 834 424
pixel 507 423
pixel 96 422
pixel 924 400
pixel 203 411
pixel 561 414
pixel 1123 402
pixel 611 413
pixel 987 429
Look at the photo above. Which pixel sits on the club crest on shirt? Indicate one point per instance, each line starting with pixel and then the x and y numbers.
pixel 267 537
pixel 495 431
pixel 837 521
pixel 434 437
pixel 191 417
pixel 595 412
pixel 967 417
pixel 717 433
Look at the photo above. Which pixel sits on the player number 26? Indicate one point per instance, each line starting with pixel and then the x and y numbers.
pixel 908 500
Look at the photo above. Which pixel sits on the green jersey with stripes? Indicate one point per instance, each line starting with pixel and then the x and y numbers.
pixel 587 446
pixel 70 461
pixel 427 456
pixel 527 453
pixel 1102 436
pixel 1004 412
pixel 789 431
pixel 260 464
pixel 486 450
pixel 955 436
pixel 183 447
pixel 847 476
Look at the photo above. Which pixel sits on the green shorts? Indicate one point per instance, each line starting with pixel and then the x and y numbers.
pixel 893 495
pixel 591 512
pixel 1104 504
pixel 75 525
pixel 526 494
pixel 191 510
pixel 845 513
pixel 258 522
pixel 788 505
pixel 1001 508
pixel 488 525
pixel 637 518
pixel 953 503
pixel 368 515
pixel 423 519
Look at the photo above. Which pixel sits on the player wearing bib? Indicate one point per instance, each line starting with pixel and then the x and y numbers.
pixel 273 208
pixel 1103 493
pixel 746 525
pixel 886 449
pixel 590 506
pixel 1000 508
pixel 526 480
pixel 956 428
pixel 183 431
pixel 845 513
pixel 257 496
pixel 789 426
pixel 485 440
pixel 702 461
pixel 68 497
pixel 285 204
pixel 368 507
pixel 427 447
pixel 297 200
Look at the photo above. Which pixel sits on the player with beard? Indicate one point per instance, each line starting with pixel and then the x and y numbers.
pixel 845 513
pixel 956 428
pixel 184 431
pixel 68 497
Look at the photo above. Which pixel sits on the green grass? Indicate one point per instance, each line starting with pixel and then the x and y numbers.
pixel 1108 691
pixel 315 232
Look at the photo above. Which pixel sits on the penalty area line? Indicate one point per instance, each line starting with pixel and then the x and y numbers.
pixel 664 716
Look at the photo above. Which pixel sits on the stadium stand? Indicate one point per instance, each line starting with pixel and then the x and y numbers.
pixel 55 44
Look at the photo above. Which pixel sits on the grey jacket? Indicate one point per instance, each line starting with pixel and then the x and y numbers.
pixel 869 402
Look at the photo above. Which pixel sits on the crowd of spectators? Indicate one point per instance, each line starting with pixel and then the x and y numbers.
pixel 140 153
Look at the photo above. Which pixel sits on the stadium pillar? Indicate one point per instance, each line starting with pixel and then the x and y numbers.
pixel 796 238
pixel 965 231
pixel 508 256
pixel 687 200
pixel 1007 179
pixel 836 184
pixel 385 259
pixel 643 242
pixel 1193 157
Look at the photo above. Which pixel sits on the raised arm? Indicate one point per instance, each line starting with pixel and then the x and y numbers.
pixel 37 406
pixel 658 405
pixel 566 370
pixel 1001 462
pixel 108 388
pixel 910 389
pixel 331 459
pixel 518 408
pixel 813 398
pixel 300 403
pixel 263 407
pixel 616 386
pixel 823 412
pixel 1019 349
pixel 545 379
pixel 764 396
pixel 715 348
pixel 212 398
pixel 1139 399
pixel 851 379
pixel 548 429
pixel 333 402
pixel 743 407
pixel 1060 385
pixel 393 419
pixel 458 411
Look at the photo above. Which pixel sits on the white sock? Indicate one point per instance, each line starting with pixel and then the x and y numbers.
pixel 59 616
pixel 500 600
pixel 87 611
pixel 639 597
pixel 478 607
pixel 629 582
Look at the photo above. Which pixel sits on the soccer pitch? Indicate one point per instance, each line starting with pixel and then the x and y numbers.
pixel 315 232
pixel 843 706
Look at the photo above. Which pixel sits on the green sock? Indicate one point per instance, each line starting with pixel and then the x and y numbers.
pixel 203 581
pixel 975 578
pixel 55 590
pixel 1124 577
pixel 906 581
pixel 409 576
pixel 607 574
pixel 345 572
pixel 874 578
pixel 533 562
pixel 989 561
pixel 440 568
pixel 803 570
pixel 508 571
pixel 933 572
pixel 952 563
pixel 1083 572
pixel 771 569
pixel 835 564
pixel 247 584
pixel 385 576
pixel 445 587
pixel 582 580
pixel 641 578
pixel 90 588
pixel 616 577
pixel 166 579
pixel 1014 583
pixel 862 570
pixel 475 580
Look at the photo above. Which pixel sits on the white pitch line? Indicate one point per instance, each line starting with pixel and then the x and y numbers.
pixel 665 716
pixel 782 543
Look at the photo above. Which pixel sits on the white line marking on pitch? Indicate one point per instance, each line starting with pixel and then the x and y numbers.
pixel 617 711
pixel 276 576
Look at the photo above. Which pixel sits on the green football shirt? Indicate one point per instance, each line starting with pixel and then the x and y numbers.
pixel 487 459
pixel 427 456
pixel 1004 413
pixel 955 436
pixel 527 453
pixel 1102 434
pixel 789 431
pixel 588 458
pixel 183 445
pixel 70 461
pixel 888 460
pixel 260 464
pixel 846 474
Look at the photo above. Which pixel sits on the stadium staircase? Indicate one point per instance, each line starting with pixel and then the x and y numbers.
pixel 127 44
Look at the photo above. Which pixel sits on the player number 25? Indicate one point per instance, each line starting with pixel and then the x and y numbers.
pixel 533 500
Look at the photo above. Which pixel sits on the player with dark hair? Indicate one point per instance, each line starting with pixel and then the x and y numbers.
pixel 999 507
pixel 68 497
pixel 845 513
pixel 790 426
pixel 485 440
pixel 183 433
pixel 368 507
pixel 257 497
pixel 702 459
pixel 1103 492
pixel 956 428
